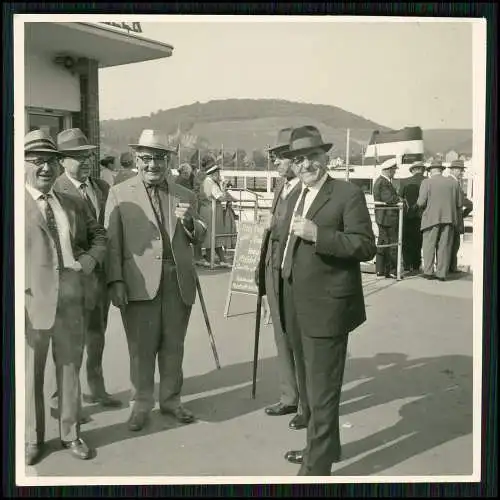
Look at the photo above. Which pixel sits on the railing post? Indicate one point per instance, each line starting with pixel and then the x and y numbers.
pixel 212 237
pixel 400 240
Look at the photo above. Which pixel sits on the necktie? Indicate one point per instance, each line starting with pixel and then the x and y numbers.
pixel 286 189
pixel 154 195
pixel 52 225
pixel 86 197
pixel 156 202
pixel 287 263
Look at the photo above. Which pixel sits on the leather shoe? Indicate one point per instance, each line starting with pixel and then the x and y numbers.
pixel 33 453
pixel 77 448
pixel 280 409
pixel 298 422
pixel 180 414
pixel 295 456
pixel 105 400
pixel 137 420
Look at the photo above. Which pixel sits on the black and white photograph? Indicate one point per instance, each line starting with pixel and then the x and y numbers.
pixel 249 249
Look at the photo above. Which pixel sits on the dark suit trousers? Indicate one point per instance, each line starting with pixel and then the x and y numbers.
pixel 286 364
pixel 67 336
pixel 156 329
pixel 412 243
pixel 437 243
pixel 455 247
pixel 96 323
pixel 387 257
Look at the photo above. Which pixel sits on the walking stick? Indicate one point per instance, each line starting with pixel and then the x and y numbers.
pixel 207 322
pixel 256 345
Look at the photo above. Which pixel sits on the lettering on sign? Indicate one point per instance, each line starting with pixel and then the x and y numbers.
pixel 246 257
pixel 135 27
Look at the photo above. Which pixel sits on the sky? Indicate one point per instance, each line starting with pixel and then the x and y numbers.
pixel 395 73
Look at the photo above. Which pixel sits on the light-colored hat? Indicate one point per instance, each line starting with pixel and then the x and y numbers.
pixel 457 164
pixel 153 139
pixel 73 140
pixel 390 163
pixel 39 141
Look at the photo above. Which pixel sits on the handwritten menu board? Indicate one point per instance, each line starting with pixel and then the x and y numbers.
pixel 246 257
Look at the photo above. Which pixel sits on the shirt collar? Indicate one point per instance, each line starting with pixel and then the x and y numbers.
pixel 292 182
pixel 385 177
pixel 35 193
pixel 318 185
pixel 76 183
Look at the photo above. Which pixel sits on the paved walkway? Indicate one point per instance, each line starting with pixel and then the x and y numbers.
pixel 407 397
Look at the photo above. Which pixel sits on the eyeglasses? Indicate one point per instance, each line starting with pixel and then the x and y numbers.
pixel 298 160
pixel 273 157
pixel 150 158
pixel 39 161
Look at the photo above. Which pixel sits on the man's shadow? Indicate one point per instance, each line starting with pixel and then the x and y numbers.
pixel 442 412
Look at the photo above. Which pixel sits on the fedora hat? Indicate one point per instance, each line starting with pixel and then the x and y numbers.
pixel 457 164
pixel 416 164
pixel 73 140
pixel 153 139
pixel 304 139
pixel 282 141
pixel 39 141
pixel 390 163
pixel 435 164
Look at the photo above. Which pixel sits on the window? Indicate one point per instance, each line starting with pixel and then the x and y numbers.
pixel 51 122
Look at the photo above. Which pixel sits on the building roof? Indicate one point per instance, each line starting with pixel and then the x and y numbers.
pixel 109 45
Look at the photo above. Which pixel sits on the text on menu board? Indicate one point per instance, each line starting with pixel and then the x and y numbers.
pixel 135 27
pixel 246 257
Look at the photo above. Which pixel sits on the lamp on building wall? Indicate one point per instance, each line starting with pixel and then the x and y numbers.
pixel 75 65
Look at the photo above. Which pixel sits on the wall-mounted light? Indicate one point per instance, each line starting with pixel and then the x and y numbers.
pixel 76 65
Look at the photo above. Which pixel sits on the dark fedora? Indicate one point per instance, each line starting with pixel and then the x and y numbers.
pixel 457 164
pixel 283 140
pixel 73 140
pixel 304 139
pixel 416 164
pixel 39 141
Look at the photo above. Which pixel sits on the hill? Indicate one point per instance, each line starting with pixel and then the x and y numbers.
pixel 251 125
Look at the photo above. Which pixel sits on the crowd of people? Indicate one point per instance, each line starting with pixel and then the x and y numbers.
pixel 134 242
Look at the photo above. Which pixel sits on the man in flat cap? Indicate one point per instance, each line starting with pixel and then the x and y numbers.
pixel 152 223
pixel 412 236
pixel 76 152
pixel 439 198
pixel 269 281
pixel 63 244
pixel 457 168
pixel 329 232
pixel 387 219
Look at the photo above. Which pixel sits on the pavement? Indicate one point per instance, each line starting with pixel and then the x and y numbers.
pixel 406 402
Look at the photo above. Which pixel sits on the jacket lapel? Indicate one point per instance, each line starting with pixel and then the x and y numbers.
pixel 99 195
pixel 70 214
pixel 277 195
pixel 322 197
pixel 33 214
pixel 140 195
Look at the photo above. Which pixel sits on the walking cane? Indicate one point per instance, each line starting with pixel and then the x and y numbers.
pixel 207 322
pixel 256 345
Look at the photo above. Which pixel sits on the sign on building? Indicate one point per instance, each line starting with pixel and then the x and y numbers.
pixel 135 27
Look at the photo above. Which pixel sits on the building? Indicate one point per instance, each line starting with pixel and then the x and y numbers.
pixel 61 71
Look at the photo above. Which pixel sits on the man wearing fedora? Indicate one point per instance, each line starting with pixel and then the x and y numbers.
pixel 439 198
pixel 152 223
pixel 412 237
pixel 76 181
pixel 63 244
pixel 269 281
pixel 329 232
pixel 457 168
pixel 387 219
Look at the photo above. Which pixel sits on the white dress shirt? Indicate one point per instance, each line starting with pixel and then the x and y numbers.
pixel 310 196
pixel 288 186
pixel 90 191
pixel 61 221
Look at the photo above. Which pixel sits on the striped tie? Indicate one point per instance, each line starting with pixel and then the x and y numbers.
pixel 52 225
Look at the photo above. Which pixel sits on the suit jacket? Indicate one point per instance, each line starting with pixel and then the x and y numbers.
pixel 385 192
pixel 41 272
pixel 135 246
pixel 326 274
pixel 440 198
pixel 409 189
pixel 464 211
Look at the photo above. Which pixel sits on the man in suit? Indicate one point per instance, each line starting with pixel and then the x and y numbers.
pixel 152 223
pixel 412 237
pixel 77 181
pixel 269 281
pixel 63 245
pixel 330 233
pixel 457 168
pixel 387 219
pixel 439 198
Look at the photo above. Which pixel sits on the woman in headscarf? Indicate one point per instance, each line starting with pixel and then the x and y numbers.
pixel 212 189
